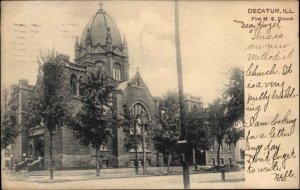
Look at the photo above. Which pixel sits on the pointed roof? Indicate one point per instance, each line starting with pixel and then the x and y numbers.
pixel 135 81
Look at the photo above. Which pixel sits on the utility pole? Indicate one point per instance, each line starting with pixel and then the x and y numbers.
pixel 51 156
pixel 143 123
pixel 144 148
pixel 185 161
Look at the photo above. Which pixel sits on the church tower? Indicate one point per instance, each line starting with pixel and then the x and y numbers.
pixel 101 45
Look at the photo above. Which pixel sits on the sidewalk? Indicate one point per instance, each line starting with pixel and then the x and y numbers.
pixel 83 175
pixel 71 175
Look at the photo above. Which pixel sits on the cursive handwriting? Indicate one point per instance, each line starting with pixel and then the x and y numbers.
pixel 280 55
pixel 284 176
pixel 270 122
pixel 258 29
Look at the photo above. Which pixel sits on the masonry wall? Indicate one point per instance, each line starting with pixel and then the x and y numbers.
pixel 56 148
pixel 24 95
pixel 225 153
pixel 20 97
pixel 131 95
pixel 75 155
pixel 102 57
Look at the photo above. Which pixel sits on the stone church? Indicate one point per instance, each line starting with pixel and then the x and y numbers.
pixel 100 46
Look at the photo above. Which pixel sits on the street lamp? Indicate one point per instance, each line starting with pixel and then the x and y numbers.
pixel 11 162
pixel 24 156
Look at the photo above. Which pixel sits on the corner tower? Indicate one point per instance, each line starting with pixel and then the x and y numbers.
pixel 101 44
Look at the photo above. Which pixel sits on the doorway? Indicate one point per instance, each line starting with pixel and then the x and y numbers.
pixel 200 157
pixel 39 149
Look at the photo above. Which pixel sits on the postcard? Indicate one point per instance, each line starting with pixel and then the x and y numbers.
pixel 149 94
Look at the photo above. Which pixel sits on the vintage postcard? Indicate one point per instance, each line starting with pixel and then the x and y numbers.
pixel 149 94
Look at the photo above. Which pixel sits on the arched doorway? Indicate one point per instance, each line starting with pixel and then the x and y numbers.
pixel 39 148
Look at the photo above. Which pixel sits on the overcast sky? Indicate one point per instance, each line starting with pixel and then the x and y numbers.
pixel 210 42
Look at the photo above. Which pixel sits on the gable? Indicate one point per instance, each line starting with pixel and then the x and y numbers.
pixel 133 94
pixel 137 81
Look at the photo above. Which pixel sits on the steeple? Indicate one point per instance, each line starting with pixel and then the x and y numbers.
pixel 76 43
pixel 88 40
pixel 108 40
pixel 124 41
pixel 77 48
pixel 125 46
pixel 101 42
pixel 108 36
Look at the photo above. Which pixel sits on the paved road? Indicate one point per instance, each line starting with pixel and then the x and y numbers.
pixel 199 181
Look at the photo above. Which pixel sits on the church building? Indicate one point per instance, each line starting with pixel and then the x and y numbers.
pixel 101 45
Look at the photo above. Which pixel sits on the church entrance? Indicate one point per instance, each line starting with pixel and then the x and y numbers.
pixel 39 147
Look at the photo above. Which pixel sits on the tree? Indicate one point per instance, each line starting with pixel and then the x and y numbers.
pixel 198 133
pixel 224 114
pixel 165 138
pixel 94 123
pixel 133 137
pixel 218 124
pixel 9 121
pixel 50 104
pixel 234 95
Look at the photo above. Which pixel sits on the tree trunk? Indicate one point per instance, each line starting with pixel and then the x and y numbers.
pixel 218 153
pixel 157 159
pixel 51 157
pixel 97 163
pixel 168 162
pixel 136 162
pixel 194 159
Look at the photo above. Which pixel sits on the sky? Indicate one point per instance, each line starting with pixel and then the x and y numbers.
pixel 209 41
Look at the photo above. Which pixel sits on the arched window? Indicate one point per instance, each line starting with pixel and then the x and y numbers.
pixel 99 65
pixel 73 84
pixel 117 72
pixel 81 89
pixel 195 108
pixel 139 109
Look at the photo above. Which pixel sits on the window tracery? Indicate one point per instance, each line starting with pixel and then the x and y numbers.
pixel 73 84
pixel 117 72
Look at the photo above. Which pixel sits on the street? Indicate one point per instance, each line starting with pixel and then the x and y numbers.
pixel 198 181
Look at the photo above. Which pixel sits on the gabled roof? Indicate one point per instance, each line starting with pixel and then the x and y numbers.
pixel 135 81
